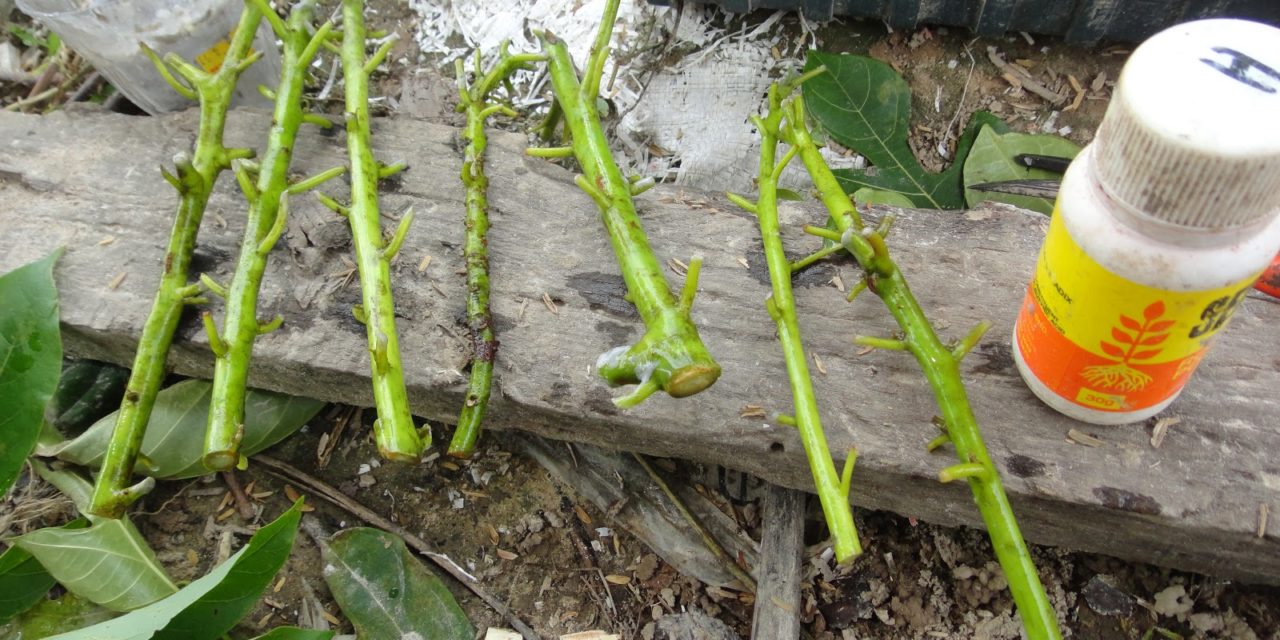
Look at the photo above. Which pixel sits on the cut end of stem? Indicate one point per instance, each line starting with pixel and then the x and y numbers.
pixel 221 460
pixel 692 379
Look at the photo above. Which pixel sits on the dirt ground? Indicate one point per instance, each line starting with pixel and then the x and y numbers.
pixel 539 547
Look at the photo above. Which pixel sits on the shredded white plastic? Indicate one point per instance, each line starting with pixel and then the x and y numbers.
pixel 686 122
pixel 610 358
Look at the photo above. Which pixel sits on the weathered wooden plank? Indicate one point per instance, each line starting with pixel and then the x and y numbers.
pixel 780 572
pixel 78 179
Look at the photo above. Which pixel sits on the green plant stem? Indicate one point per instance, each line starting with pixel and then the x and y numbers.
pixel 266 216
pixel 833 493
pixel 196 174
pixel 394 431
pixel 942 369
pixel 484 346
pixel 670 356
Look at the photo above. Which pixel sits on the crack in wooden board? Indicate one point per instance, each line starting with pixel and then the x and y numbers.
pixel 76 179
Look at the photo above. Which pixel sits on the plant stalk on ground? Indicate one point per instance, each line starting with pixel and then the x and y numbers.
pixel 195 177
pixel 393 431
pixel 941 365
pixel 484 346
pixel 833 488
pixel 670 356
pixel 267 212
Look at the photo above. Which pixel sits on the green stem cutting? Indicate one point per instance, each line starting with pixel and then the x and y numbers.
pixel 194 179
pixel 394 431
pixel 484 346
pixel 941 366
pixel 671 355
pixel 267 213
pixel 833 488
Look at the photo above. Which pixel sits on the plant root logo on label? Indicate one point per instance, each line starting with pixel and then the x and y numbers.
pixel 1121 375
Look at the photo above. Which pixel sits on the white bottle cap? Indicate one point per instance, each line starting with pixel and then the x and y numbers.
pixel 1192 135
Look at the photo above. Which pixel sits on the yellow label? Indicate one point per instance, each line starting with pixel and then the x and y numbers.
pixel 1106 343
pixel 211 59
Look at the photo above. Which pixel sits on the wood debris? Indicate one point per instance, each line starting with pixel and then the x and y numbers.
pixel 1099 82
pixel 1162 427
pixel 551 305
pixel 1080 93
pixel 752 411
pixel 678 267
pixel 1021 79
pixel 1079 437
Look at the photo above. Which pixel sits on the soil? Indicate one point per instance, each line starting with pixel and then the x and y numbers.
pixel 539 547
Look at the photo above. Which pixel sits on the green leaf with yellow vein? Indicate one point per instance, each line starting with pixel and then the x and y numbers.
pixel 107 563
pixel 865 105
pixel 174 441
pixel 210 606
pixel 386 592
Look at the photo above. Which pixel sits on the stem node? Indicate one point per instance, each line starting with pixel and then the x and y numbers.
pixel 316 180
pixel 941 440
pixel 637 395
pixel 642 185
pixel 970 341
pixel 216 344
pixel 745 204
pixel 965 470
pixel 272 325
pixel 214 287
pixel 549 152
pixel 690 289
pixel 891 344
pixel 397 240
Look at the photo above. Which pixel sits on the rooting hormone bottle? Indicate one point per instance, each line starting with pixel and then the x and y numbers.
pixel 1161 225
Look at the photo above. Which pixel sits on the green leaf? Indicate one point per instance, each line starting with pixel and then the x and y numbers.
pixel 386 592
pixel 788 194
pixel 51 617
pixel 107 563
pixel 30 360
pixel 867 195
pixel 294 633
pixel 991 160
pixel 23 582
pixel 865 105
pixel 210 606
pixel 174 442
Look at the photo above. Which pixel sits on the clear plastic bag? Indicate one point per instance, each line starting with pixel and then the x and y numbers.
pixel 108 32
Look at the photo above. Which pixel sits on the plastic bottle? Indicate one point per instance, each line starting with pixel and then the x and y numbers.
pixel 1161 225
pixel 107 33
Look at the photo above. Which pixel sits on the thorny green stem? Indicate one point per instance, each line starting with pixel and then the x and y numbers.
pixel 394 431
pixel 194 180
pixel 942 369
pixel 670 356
pixel 833 490
pixel 267 209
pixel 484 345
